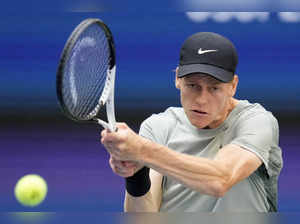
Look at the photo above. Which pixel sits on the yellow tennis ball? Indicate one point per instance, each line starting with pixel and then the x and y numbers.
pixel 31 190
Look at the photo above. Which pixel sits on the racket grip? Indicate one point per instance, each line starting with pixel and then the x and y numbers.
pixel 104 125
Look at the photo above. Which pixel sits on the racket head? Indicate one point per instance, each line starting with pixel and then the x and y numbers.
pixel 81 77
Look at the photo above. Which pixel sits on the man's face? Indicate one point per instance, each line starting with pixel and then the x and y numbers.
pixel 205 100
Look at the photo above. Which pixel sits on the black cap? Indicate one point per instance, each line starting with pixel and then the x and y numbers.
pixel 208 53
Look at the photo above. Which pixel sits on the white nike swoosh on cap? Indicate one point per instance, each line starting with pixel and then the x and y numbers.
pixel 205 51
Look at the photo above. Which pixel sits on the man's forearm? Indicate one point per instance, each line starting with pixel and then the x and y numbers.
pixel 150 202
pixel 203 175
pixel 145 203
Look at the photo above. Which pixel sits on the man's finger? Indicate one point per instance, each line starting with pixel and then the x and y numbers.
pixel 128 164
pixel 103 133
pixel 124 172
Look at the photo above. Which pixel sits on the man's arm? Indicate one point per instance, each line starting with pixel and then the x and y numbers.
pixel 208 176
pixel 150 202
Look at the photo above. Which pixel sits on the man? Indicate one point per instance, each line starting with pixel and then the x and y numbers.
pixel 214 154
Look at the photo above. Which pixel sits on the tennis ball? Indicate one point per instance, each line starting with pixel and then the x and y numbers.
pixel 31 190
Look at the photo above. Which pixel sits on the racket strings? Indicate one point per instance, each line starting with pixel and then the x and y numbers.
pixel 86 72
pixel 98 86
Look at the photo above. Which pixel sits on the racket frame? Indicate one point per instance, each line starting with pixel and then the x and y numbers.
pixel 107 96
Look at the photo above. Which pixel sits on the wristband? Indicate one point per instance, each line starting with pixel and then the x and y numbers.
pixel 138 184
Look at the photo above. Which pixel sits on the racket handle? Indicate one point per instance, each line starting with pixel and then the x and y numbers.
pixel 106 125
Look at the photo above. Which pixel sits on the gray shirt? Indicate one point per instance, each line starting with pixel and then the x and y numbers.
pixel 249 126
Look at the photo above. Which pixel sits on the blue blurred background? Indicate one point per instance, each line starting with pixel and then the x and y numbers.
pixel 36 138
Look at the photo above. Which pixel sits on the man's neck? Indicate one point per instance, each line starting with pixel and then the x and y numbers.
pixel 231 105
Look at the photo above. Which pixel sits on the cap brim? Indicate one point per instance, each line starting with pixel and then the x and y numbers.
pixel 216 72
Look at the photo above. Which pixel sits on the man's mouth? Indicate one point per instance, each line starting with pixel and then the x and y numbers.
pixel 200 112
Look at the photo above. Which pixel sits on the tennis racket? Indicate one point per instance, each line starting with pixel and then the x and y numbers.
pixel 86 72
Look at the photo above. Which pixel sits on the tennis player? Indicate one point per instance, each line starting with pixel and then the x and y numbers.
pixel 214 154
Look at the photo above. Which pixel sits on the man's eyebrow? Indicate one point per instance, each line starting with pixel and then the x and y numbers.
pixel 214 82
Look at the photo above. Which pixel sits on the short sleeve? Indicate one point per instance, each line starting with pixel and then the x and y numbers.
pixel 259 134
pixel 157 127
pixel 147 131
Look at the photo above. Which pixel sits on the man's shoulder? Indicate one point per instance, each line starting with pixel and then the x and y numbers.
pixel 252 118
pixel 246 110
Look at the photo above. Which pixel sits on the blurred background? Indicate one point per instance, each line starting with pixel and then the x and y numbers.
pixel 36 138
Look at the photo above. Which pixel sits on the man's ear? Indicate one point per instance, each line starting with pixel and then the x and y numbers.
pixel 234 84
pixel 177 81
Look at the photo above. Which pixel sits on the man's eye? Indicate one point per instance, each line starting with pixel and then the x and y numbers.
pixel 191 85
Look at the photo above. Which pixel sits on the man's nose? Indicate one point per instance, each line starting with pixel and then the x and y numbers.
pixel 202 97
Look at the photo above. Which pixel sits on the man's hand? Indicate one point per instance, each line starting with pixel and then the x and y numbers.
pixel 124 168
pixel 123 145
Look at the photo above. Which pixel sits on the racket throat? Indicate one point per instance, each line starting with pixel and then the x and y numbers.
pixel 110 105
pixel 103 124
pixel 108 99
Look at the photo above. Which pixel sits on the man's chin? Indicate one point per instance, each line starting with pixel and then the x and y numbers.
pixel 200 125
